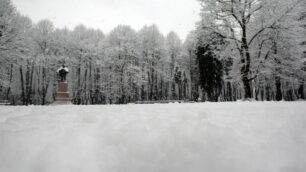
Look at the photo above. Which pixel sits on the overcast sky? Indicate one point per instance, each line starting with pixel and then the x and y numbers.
pixel 177 15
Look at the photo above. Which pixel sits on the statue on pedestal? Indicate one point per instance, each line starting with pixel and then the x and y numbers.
pixel 62 94
pixel 62 72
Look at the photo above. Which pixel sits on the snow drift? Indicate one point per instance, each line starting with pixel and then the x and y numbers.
pixel 212 137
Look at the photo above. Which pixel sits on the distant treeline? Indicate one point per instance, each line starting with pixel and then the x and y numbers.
pixel 239 50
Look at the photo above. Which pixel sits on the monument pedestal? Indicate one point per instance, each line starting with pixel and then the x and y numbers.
pixel 62 94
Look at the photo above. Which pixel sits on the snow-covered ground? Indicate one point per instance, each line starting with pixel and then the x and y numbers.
pixel 204 137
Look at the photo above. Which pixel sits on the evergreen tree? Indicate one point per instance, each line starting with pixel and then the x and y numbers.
pixel 211 69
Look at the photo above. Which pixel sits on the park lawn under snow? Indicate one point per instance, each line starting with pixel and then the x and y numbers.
pixel 204 137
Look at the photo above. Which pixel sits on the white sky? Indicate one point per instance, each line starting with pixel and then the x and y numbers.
pixel 177 15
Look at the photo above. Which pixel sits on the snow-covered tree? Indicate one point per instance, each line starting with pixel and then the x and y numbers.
pixel 152 51
pixel 174 51
pixel 85 43
pixel 15 47
pixel 44 59
pixel 191 64
pixel 248 25
pixel 121 49
pixel 10 42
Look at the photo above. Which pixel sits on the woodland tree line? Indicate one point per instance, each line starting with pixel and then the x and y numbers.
pixel 241 49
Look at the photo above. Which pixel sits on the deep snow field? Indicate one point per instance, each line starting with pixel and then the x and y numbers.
pixel 201 137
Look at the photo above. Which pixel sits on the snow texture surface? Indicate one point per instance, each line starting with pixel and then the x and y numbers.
pixel 204 137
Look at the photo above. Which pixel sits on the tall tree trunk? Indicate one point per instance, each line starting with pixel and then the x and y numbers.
pixel 27 82
pixel 78 91
pixel 10 81
pixel 229 90
pixel 85 90
pixel 44 86
pixel 22 85
pixel 245 61
pixel 268 97
pixel 278 86
pixel 31 84
pixel 247 87
pixel 301 90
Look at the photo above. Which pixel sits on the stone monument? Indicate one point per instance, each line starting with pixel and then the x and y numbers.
pixel 62 94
